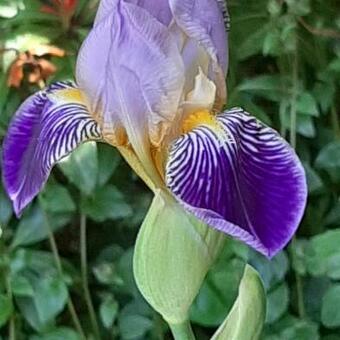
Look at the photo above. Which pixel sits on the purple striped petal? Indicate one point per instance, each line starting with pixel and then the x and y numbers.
pixel 204 22
pixel 242 178
pixel 45 128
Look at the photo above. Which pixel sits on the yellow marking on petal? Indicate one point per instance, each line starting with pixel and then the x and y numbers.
pixel 69 95
pixel 197 118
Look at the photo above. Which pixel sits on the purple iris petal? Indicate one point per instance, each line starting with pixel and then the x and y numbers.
pixel 131 70
pixel 157 8
pixel 242 178
pixel 42 132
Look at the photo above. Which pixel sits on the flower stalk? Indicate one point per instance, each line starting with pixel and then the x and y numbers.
pixel 293 121
pixel 84 275
pixel 182 331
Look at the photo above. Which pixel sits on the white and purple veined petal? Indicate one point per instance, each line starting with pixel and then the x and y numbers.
pixel 46 127
pixel 241 178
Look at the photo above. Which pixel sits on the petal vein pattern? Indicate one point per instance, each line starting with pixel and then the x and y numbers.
pixel 241 178
pixel 45 129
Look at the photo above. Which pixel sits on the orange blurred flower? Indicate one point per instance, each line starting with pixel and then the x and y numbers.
pixel 60 7
pixel 34 65
pixel 64 9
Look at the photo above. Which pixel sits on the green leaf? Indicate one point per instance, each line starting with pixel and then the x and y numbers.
pixel 21 286
pixel 323 254
pixel 50 297
pixel 272 44
pixel 274 8
pixel 56 199
pixel 108 311
pixel 134 326
pixel 313 179
pixel 306 104
pixel 106 273
pixel 108 161
pixel 290 328
pixel 271 87
pixel 253 43
pixel 305 126
pixel 106 203
pixel 33 227
pixel 246 319
pixel 329 156
pixel 277 303
pixel 28 310
pixel 6 309
pixel 81 167
pixel 272 271
pixel 62 333
pixel 5 207
pixel 125 270
pixel 324 93
pixel 299 7
pixel 330 311
pixel 313 294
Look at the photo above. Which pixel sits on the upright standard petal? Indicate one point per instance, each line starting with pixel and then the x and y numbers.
pixel 157 8
pixel 46 127
pixel 240 177
pixel 204 22
pixel 131 70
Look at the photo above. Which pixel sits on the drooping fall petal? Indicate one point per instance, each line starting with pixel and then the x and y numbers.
pixel 46 128
pixel 242 178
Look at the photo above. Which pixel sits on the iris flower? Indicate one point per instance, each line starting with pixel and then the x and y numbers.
pixel 150 80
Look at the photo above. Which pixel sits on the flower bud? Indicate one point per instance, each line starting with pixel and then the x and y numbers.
pixel 173 253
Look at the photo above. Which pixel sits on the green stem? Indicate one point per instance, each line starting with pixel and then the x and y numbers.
pixel 335 122
pixel 182 331
pixel 295 78
pixel 84 274
pixel 57 260
pixel 158 329
pixel 299 288
pixel 11 335
pixel 11 328
pixel 293 115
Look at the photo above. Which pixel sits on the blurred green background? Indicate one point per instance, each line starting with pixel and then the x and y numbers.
pixel 285 69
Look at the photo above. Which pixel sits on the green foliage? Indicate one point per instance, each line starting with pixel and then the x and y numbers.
pixel 285 69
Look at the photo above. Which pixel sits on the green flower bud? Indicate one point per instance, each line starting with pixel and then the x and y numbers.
pixel 173 254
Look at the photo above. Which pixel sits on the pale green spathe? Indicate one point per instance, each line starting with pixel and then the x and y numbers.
pixel 245 320
pixel 173 253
